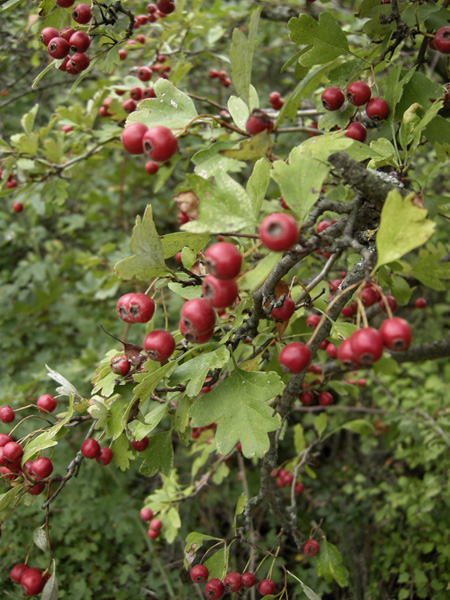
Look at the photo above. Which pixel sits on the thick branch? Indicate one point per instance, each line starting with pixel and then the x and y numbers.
pixel 427 351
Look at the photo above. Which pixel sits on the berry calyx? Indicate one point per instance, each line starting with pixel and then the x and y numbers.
pixel 46 403
pixel 311 547
pixel 294 357
pixel 358 93
pixel 377 109
pixel 223 260
pixel 132 138
pixel 214 589
pixel 90 448
pixel 159 345
pixel 248 579
pixel 332 98
pixel 278 232
pixel 199 574
pixel 266 587
pixel 159 143
pixel 396 334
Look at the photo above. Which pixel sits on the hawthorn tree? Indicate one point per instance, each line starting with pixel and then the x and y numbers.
pixel 224 318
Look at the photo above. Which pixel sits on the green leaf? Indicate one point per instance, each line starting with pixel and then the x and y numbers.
pixel 256 277
pixel 258 183
pixel 320 423
pixel 122 453
pixel 50 591
pixel 171 108
pixel 403 227
pixel 117 420
pixel 304 87
pixel 428 270
pixel 307 590
pixel 299 439
pixel 151 420
pixel 195 370
pixel 27 120
pixel 251 148
pixel 241 57
pixel 159 455
pixel 194 541
pixel 242 501
pixel 66 388
pixel 174 242
pixel 148 260
pixel 223 207
pixel 400 289
pixel 209 161
pixel 217 561
pixel 8 497
pixel 386 366
pixel 238 110
pixel 40 539
pixel 41 74
pixel 193 291
pixel 329 564
pixel 240 405
pixel 148 381
pixel 326 38
pixel 359 426
pixel 38 443
pixel 10 4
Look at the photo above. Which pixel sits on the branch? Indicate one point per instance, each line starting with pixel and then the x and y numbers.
pixel 427 351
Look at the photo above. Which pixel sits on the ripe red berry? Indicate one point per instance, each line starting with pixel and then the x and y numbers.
pixel 294 357
pixel 214 589
pixel 7 414
pixel 377 109
pixel 65 3
pixel 266 587
pixel 233 582
pixel 79 41
pixel 325 398
pixel 223 260
pixel 148 92
pixel 198 315
pixel 285 311
pixel 17 571
pixel 66 33
pixel 133 137
pixel 258 121
pixel 199 574
pixel 140 308
pixel 166 6
pixel 17 207
pixel 193 336
pixel 32 581
pixel 58 47
pixel 156 524
pixel 312 321
pixel 249 579
pixel 349 311
pixel 299 487
pixel 146 514
pixel 79 61
pixel 332 98
pixel 306 398
pixel 47 34
pixel 442 40
pixel 82 14
pixel 140 445
pixel 144 73
pixel 151 167
pixel 159 345
pixel 331 350
pixel 4 439
pixel 12 451
pixel 369 296
pixel 396 334
pixel 90 448
pixel 420 303
pixel 105 456
pixel 36 489
pixel 128 106
pixel 41 467
pixel 159 143
pixel 12 183
pixel 367 345
pixel 358 93
pixel 345 354
pixel 120 365
pixel 391 301
pixel 356 131
pixel 218 292
pixel 311 547
pixel 122 54
pixel 278 232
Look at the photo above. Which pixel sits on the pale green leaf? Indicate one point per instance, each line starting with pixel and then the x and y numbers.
pixel 320 423
pixel 241 56
pixel 148 381
pixel 174 242
pixel 122 452
pixel 329 564
pixel 8 497
pixel 66 388
pixel 27 120
pixel 239 111
pixel 209 161
pixel 249 149
pixel 359 426
pixel 242 501
pixel 258 183
pixel 403 227
pixel 159 455
pixel 50 591
pixel 196 369
pixel 40 539
pixel 152 420
pixel 299 439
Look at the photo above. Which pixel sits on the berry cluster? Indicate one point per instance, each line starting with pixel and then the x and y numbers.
pixel 90 448
pixel 31 579
pixel 158 143
pixel 285 478
pixel 275 100
pixel 60 43
pixel 222 76
pixel 155 526
pixel 232 582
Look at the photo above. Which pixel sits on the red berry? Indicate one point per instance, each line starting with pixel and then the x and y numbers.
pixel 442 40
pixel 258 121
pixel 285 311
pixel 42 467
pixel 278 232
pixel 322 225
pixel 82 14
pixel 66 33
pixel 266 587
pixel 349 311
pixel 17 571
pixel 105 456
pixel 223 260
pixel 214 589
pixel 156 525
pixel 122 54
pixel 12 451
pixel 377 109
pixel 199 574
pixel 159 345
pixel 213 73
pixel 58 47
pixel 391 301
pixel 17 207
pixel 65 3
pixel 332 98
pixel 367 345
pixel 153 534
pixel 159 143
pixel 146 514
pixel 294 357
pixel 32 581
pixel 4 439
pixel 120 365
pixel 312 321
pixel 36 489
pixel 299 487
pixel 79 61
pixel 369 296
pixel 356 131
pixel 140 445
pixel 79 41
pixel 12 183
pixel 198 316
pixel 47 34
pixel 420 303
pixel 90 448
pixel 133 137
pixel 141 39
pixel 218 292
pixel 331 350
pixel 148 92
pixel 249 579
pixel 325 398
pixel 151 167
pixel 140 308
pixel 233 582
pixel 311 547
pixel 166 6
pixel 345 354
pixel 128 106
pixel 144 73
pixel 362 382
pixel 7 414
pixel 306 398
pixel 193 336
pixel 396 334
pixel 358 93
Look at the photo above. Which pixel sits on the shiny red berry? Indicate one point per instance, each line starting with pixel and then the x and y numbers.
pixel 396 334
pixel 218 292
pixel 223 260
pixel 132 138
pixel 312 321
pixel 294 357
pixel 345 354
pixel 358 93
pixel 146 514
pixel 278 232
pixel 90 448
pixel 420 303
pixel 249 579
pixel 214 589
pixel 144 73
pixel 82 14
pixel 332 98
pixel 58 47
pixel 306 398
pixel 159 143
pixel 140 445
pixel 17 571
pixel 159 345
pixel 120 365
pixel 285 311
pixel 266 587
pixel 233 582
pixel 367 345
pixel 377 109
pixel 7 414
pixel 199 574
pixel 356 131
pixel 311 547
pixel 42 467
pixel 32 581
pixel 79 41
pixel 105 456
pixel 198 315
pixel 325 398
pixel 257 122
pixel 442 40
pixel 47 34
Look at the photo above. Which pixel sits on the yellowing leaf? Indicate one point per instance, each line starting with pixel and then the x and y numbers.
pixel 403 227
